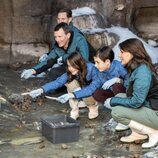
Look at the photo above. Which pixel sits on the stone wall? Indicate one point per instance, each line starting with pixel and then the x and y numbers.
pixel 26 25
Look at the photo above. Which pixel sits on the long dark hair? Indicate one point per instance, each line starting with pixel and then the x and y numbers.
pixel 140 56
pixel 77 61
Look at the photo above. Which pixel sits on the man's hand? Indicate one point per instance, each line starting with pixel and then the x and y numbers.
pixel 65 97
pixel 27 73
pixel 43 57
pixel 110 82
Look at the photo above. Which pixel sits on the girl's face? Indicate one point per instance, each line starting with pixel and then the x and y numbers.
pixel 73 70
pixel 101 65
pixel 125 57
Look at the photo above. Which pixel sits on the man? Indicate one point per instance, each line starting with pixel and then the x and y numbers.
pixel 63 15
pixel 66 42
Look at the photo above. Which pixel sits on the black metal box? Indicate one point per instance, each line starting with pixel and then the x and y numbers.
pixel 60 129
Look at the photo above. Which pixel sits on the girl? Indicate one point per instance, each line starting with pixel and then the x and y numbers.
pixel 81 80
pixel 136 109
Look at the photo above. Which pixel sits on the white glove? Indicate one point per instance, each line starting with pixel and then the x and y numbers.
pixel 36 93
pixel 27 73
pixel 107 103
pixel 43 57
pixel 110 82
pixel 60 61
pixel 65 97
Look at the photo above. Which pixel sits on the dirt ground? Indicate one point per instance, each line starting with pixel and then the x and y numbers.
pixel 20 127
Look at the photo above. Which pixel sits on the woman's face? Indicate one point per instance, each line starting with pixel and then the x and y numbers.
pixel 72 70
pixel 125 57
pixel 101 65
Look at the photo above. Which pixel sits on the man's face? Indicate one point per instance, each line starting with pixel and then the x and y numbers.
pixel 62 38
pixel 62 17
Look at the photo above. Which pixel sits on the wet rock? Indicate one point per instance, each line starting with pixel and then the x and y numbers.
pixel 64 146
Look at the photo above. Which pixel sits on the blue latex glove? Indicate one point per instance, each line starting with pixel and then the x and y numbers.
pixel 36 93
pixel 43 57
pixel 27 73
pixel 107 103
pixel 65 97
pixel 110 82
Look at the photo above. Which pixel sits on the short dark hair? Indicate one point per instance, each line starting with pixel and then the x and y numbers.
pixel 105 53
pixel 64 26
pixel 65 10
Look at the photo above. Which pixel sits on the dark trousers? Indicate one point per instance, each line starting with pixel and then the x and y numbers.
pixel 100 95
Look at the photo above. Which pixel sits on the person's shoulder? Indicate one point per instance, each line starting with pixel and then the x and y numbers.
pixel 89 64
pixel 116 62
pixel 143 69
pixel 78 35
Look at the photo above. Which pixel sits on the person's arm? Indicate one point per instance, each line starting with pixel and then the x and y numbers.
pixel 83 48
pixel 48 87
pixel 59 82
pixel 89 89
pixel 141 86
pixel 48 63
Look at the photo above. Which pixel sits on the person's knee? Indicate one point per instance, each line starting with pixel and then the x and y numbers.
pixel 72 86
pixel 96 95
pixel 115 113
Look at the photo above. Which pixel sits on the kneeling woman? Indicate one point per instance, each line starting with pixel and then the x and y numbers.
pixel 135 109
pixel 81 80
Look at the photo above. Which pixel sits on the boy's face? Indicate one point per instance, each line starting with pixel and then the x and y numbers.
pixel 102 65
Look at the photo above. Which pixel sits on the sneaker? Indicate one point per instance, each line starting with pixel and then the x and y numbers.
pixel 121 127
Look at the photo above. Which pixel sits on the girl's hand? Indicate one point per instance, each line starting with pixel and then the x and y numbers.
pixel 65 97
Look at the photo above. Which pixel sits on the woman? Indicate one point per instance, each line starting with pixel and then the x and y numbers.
pixel 81 80
pixel 135 109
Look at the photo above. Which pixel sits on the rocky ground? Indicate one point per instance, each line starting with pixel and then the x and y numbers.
pixel 21 134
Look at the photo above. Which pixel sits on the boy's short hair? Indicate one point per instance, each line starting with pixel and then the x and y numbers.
pixel 105 53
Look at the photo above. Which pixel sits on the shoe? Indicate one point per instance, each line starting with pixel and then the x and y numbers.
pixel 82 104
pixel 142 129
pixel 74 114
pixel 133 137
pixel 93 112
pixel 121 127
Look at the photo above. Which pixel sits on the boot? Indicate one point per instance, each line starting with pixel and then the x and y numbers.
pixel 82 104
pixel 75 110
pixel 134 136
pixel 152 134
pixel 121 127
pixel 93 111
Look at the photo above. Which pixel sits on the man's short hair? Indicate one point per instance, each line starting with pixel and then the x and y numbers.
pixel 63 26
pixel 65 10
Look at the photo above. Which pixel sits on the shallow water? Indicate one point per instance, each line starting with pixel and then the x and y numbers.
pixel 95 141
